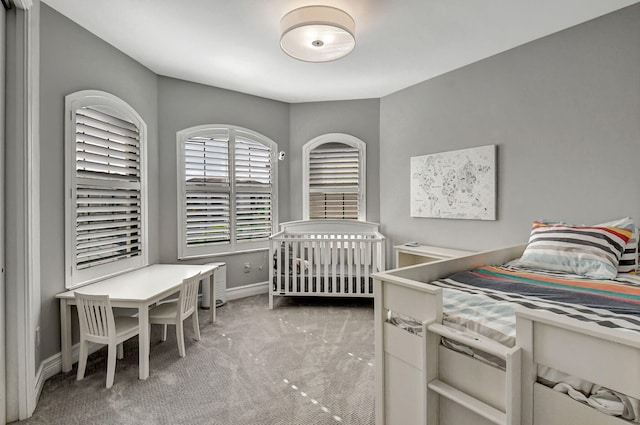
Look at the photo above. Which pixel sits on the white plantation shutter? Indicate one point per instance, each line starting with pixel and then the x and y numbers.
pixel 228 190
pixel 108 214
pixel 253 190
pixel 207 189
pixel 105 210
pixel 334 181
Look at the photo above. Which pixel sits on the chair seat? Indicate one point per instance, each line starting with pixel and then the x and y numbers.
pixel 126 325
pixel 164 312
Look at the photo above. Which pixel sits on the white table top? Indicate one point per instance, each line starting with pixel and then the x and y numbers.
pixel 142 284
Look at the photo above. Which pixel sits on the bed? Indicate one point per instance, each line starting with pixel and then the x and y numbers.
pixel 422 377
pixel 325 258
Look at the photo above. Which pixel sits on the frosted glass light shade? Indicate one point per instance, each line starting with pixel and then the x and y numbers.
pixel 317 33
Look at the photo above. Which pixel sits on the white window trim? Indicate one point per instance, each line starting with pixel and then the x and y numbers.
pixel 232 247
pixel 74 101
pixel 346 139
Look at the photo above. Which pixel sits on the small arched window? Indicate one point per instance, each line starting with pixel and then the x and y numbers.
pixel 334 177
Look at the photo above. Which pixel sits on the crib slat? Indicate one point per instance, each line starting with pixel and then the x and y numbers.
pixel 367 262
pixel 318 266
pixel 303 271
pixel 286 267
pixel 279 266
pixel 359 263
pixel 312 265
pixel 334 260
pixel 297 285
pixel 341 276
pixel 339 264
pixel 325 259
pixel 375 252
pixel 305 266
pixel 350 247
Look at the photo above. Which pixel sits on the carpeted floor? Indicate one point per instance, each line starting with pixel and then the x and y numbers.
pixel 307 362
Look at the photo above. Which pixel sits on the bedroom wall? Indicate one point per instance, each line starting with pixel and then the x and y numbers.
pixel 184 104
pixel 359 118
pixel 73 59
pixel 565 113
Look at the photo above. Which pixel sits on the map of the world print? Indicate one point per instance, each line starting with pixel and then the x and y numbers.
pixel 456 184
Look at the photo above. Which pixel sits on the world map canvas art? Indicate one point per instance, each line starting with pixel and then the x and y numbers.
pixel 457 184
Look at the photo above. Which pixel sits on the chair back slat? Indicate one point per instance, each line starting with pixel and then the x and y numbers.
pixel 189 295
pixel 95 315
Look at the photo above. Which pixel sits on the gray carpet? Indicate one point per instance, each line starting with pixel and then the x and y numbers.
pixel 307 362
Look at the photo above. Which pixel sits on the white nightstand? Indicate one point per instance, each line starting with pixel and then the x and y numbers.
pixel 410 255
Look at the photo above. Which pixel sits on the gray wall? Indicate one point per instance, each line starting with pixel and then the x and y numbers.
pixel 565 113
pixel 73 59
pixel 359 118
pixel 184 104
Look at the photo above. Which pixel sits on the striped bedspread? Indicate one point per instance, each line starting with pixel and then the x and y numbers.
pixel 484 299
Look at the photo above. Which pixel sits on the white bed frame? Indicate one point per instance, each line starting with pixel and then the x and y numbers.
pixel 419 381
pixel 339 251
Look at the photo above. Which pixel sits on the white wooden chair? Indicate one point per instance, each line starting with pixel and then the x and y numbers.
pixel 98 325
pixel 174 313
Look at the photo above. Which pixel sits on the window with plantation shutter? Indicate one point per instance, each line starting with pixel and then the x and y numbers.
pixel 105 182
pixel 334 172
pixel 226 190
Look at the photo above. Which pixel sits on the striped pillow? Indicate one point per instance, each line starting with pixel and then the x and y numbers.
pixel 629 259
pixel 590 251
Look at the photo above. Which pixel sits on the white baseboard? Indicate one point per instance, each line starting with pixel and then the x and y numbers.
pixel 247 290
pixel 53 365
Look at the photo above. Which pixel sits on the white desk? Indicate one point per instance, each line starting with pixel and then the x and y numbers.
pixel 136 289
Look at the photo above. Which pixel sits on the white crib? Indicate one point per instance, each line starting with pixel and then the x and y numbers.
pixel 325 258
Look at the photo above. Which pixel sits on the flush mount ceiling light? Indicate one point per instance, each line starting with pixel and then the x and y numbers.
pixel 317 33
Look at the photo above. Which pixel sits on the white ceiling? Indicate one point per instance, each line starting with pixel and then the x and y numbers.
pixel 234 44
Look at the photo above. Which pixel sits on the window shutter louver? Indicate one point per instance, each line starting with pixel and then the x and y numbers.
pixel 108 203
pixel 253 190
pixel 334 191
pixel 207 189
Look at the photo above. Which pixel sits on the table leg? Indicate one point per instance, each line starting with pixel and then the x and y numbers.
pixel 65 335
pixel 143 341
pixel 212 291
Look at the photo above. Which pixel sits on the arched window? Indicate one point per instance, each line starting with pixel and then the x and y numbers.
pixel 226 190
pixel 334 177
pixel 105 187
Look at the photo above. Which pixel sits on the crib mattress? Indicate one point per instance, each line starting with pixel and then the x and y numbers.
pixel 483 301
